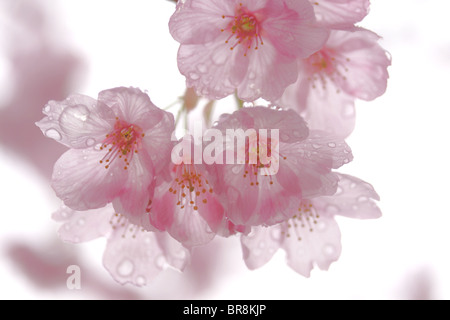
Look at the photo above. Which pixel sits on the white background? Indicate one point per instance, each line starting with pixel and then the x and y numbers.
pixel 400 145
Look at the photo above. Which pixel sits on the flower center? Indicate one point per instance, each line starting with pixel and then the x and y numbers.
pixel 123 142
pixel 245 29
pixel 261 153
pixel 322 66
pixel 189 186
pixel 305 219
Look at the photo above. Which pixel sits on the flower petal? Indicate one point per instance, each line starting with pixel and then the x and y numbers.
pixel 340 13
pixel 322 246
pixel 259 246
pixel 136 260
pixel 83 183
pixel 77 122
pixel 82 226
pixel 354 199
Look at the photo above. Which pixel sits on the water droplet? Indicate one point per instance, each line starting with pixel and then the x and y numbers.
pixel 202 68
pixel 98 146
pixel 74 113
pixel 362 199
pixel 53 134
pixel 331 208
pixel 67 227
pixel 248 104
pixel 219 57
pixel 256 252
pixel 125 268
pixel 141 281
pixel 275 234
pixel 321 226
pixel 252 86
pixel 339 191
pixel 194 76
pixel 47 108
pixel 262 245
pixel 251 75
pixel 316 146
pixel 352 185
pixel 90 142
pixel 81 222
pixel 160 261
pixel 332 145
pixel 329 250
pixel 355 207
pixel 236 169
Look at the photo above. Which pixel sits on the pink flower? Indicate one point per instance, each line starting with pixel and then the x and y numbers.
pixel 340 13
pixel 118 143
pixel 133 254
pixel 246 45
pixel 351 65
pixel 186 205
pixel 299 166
pixel 311 236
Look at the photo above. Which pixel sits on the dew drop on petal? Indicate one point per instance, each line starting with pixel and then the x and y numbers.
pixel 362 199
pixel 47 108
pixel 284 137
pixel 329 250
pixel 202 68
pixel 262 245
pixel 125 268
pixel 236 169
pixel 316 146
pixel 321 226
pixel 339 191
pixel 81 222
pixel 194 76
pixel 53 134
pixel 275 234
pixel 332 145
pixel 160 261
pixel 331 209
pixel 251 75
pixel 219 57
pixel 141 281
pixel 90 142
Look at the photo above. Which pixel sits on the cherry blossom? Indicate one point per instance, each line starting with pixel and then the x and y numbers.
pixel 249 46
pixel 132 254
pixel 117 145
pixel 311 236
pixel 262 192
pixel 351 65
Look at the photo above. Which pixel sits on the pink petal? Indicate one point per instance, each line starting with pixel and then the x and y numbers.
pixel 340 13
pixel 208 68
pixel 354 199
pixel 83 183
pixel 305 248
pixel 268 75
pixel 132 105
pixel 82 226
pixel 199 21
pixel 259 246
pixel 77 122
pixel 137 190
pixel 363 62
pixel 292 29
pixel 139 259
pixel 324 108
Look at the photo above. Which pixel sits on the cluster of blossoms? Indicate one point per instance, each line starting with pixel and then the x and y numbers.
pixel 127 178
